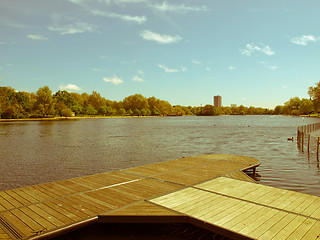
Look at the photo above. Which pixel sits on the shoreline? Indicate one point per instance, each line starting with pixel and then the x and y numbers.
pixel 68 118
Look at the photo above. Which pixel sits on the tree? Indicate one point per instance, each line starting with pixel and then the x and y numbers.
pixel 314 93
pixel 306 106
pixel 89 110
pixel 66 112
pixel 122 112
pixel 278 110
pixel 44 104
pixel 135 102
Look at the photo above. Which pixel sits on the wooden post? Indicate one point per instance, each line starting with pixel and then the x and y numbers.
pixel 302 140
pixel 318 147
pixel 308 143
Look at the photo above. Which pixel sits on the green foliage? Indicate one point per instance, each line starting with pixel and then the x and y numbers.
pixel 89 110
pixel 67 112
pixel 122 112
pixel 44 104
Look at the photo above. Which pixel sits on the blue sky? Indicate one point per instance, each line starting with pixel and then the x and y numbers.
pixel 252 52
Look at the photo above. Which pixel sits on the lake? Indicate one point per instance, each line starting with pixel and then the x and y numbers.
pixel 41 151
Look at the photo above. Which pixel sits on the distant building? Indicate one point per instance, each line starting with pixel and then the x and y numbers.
pixel 217 101
pixel 233 105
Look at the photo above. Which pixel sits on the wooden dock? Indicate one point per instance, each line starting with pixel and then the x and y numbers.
pixel 210 191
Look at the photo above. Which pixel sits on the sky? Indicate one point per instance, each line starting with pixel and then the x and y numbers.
pixel 255 53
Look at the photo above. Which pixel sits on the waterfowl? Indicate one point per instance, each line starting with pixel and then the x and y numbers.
pixel 290 139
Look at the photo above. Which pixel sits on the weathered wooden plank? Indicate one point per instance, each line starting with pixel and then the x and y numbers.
pixel 5 204
pixel 313 233
pixel 290 227
pixel 38 218
pixel 4 235
pixel 55 210
pixel 276 228
pixel 240 219
pixel 302 229
pixel 46 192
pixel 63 203
pixel 311 210
pixel 92 206
pixel 44 211
pixel 31 223
pixel 9 199
pixel 265 214
pixel 18 223
pixel 83 207
pixel 25 194
pixel 17 197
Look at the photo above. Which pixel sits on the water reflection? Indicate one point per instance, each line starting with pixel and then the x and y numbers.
pixel 37 152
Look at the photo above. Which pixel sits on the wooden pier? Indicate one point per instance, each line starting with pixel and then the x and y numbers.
pixel 209 191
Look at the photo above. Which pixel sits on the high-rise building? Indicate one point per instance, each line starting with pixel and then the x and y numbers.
pixel 217 101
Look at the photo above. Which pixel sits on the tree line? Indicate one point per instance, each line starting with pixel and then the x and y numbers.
pixel 44 103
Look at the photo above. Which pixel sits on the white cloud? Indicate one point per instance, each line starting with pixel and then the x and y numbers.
pixel 251 48
pixel 244 98
pixel 2 43
pixel 196 62
pixel 70 87
pixel 137 79
pixel 72 28
pixel 232 68
pixel 37 37
pixel 97 69
pixel 0 68
pixel 114 80
pixel 269 65
pixel 168 70
pixel 284 86
pixel 304 39
pixel 208 69
pixel 140 72
pixel 183 69
pixel 273 67
pixel 161 39
pixel 128 18
pixel 180 8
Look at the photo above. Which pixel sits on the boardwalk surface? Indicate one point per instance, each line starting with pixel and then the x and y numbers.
pixel 210 191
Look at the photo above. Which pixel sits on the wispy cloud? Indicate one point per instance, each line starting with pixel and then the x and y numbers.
pixel 70 87
pixel 231 68
pixel 137 79
pixel 96 9
pixel 304 39
pixel 183 69
pixel 161 39
pixel 98 70
pixel 37 37
pixel 128 18
pixel 195 62
pixel 270 66
pixel 72 28
pixel 2 43
pixel 168 70
pixel 208 69
pixel 114 80
pixel 182 8
pixel 252 48
pixel 284 86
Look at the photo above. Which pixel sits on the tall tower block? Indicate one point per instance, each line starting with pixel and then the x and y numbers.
pixel 217 101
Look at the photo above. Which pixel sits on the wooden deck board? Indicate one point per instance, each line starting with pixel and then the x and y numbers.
pixel 313 232
pixel 211 189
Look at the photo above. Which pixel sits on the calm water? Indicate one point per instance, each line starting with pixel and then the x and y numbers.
pixel 38 152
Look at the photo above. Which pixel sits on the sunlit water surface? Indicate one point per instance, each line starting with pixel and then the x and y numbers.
pixel 39 152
